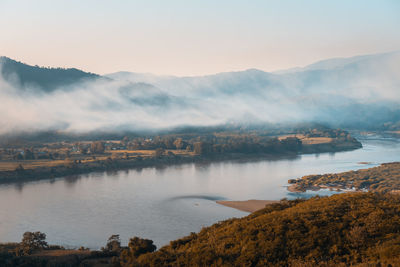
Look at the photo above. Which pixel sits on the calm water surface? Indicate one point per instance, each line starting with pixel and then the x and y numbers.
pixel 162 204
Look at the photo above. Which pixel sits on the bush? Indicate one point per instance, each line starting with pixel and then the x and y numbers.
pixel 32 241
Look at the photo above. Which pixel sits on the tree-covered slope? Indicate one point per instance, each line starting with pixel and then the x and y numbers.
pixel 35 77
pixel 341 230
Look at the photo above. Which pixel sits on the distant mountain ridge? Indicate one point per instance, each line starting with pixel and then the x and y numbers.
pixel 320 68
pixel 364 77
pixel 47 79
pixel 361 92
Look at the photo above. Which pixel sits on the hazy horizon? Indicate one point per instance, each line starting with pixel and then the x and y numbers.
pixel 294 68
pixel 277 71
pixel 196 38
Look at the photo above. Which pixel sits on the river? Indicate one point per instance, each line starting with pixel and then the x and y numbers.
pixel 163 204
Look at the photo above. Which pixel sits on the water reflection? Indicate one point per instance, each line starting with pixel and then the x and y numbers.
pixel 163 203
pixel 19 187
pixel 71 180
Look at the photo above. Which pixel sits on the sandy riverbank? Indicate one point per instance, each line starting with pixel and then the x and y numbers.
pixel 251 205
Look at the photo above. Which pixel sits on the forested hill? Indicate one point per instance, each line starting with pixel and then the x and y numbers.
pixel 354 229
pixel 35 77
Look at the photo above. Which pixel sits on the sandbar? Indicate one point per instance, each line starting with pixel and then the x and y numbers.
pixel 251 205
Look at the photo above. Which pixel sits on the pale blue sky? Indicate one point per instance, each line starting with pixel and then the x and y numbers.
pixel 194 37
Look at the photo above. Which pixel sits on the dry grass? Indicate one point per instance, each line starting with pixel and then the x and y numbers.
pixel 61 252
pixel 29 164
pixel 11 165
pixel 316 140
pixel 139 152
pixel 300 136
pixel 182 152
pixel 308 140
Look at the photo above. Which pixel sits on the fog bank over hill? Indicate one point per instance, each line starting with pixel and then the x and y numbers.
pixel 361 92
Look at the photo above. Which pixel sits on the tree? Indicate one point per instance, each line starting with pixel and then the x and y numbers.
pixel 97 147
pixel 291 143
pixel 28 154
pixel 137 247
pixel 32 241
pixel 113 244
pixel 201 148
pixel 178 143
pixel 125 141
pixel 168 143
pixel 82 149
pixel 159 152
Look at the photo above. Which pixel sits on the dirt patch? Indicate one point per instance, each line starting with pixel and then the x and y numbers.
pixel 247 205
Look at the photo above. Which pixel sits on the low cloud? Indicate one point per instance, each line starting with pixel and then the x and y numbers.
pixel 334 97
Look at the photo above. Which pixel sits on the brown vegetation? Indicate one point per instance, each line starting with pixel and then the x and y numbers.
pixel 358 229
pixel 34 251
pixel 384 178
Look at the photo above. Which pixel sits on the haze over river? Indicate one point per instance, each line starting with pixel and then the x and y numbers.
pixel 163 204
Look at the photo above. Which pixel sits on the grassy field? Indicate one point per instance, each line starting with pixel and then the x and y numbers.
pixel 309 140
pixel 11 165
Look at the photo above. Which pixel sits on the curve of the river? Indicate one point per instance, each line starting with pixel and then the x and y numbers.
pixel 163 204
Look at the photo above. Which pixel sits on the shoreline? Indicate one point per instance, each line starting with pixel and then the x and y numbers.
pixel 43 173
pixel 250 205
pixel 61 171
pixel 361 180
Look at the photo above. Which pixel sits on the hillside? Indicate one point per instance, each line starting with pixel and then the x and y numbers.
pixel 342 230
pixel 44 79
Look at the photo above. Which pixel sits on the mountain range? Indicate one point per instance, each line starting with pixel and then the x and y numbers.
pixel 361 92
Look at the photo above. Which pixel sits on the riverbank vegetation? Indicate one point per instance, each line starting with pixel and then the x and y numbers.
pixel 384 178
pixel 37 160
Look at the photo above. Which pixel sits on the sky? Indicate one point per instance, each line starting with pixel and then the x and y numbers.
pixel 184 38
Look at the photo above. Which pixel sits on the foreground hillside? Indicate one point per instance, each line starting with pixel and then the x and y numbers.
pixel 342 230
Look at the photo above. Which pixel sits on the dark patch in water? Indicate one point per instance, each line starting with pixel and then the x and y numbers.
pixel 205 197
